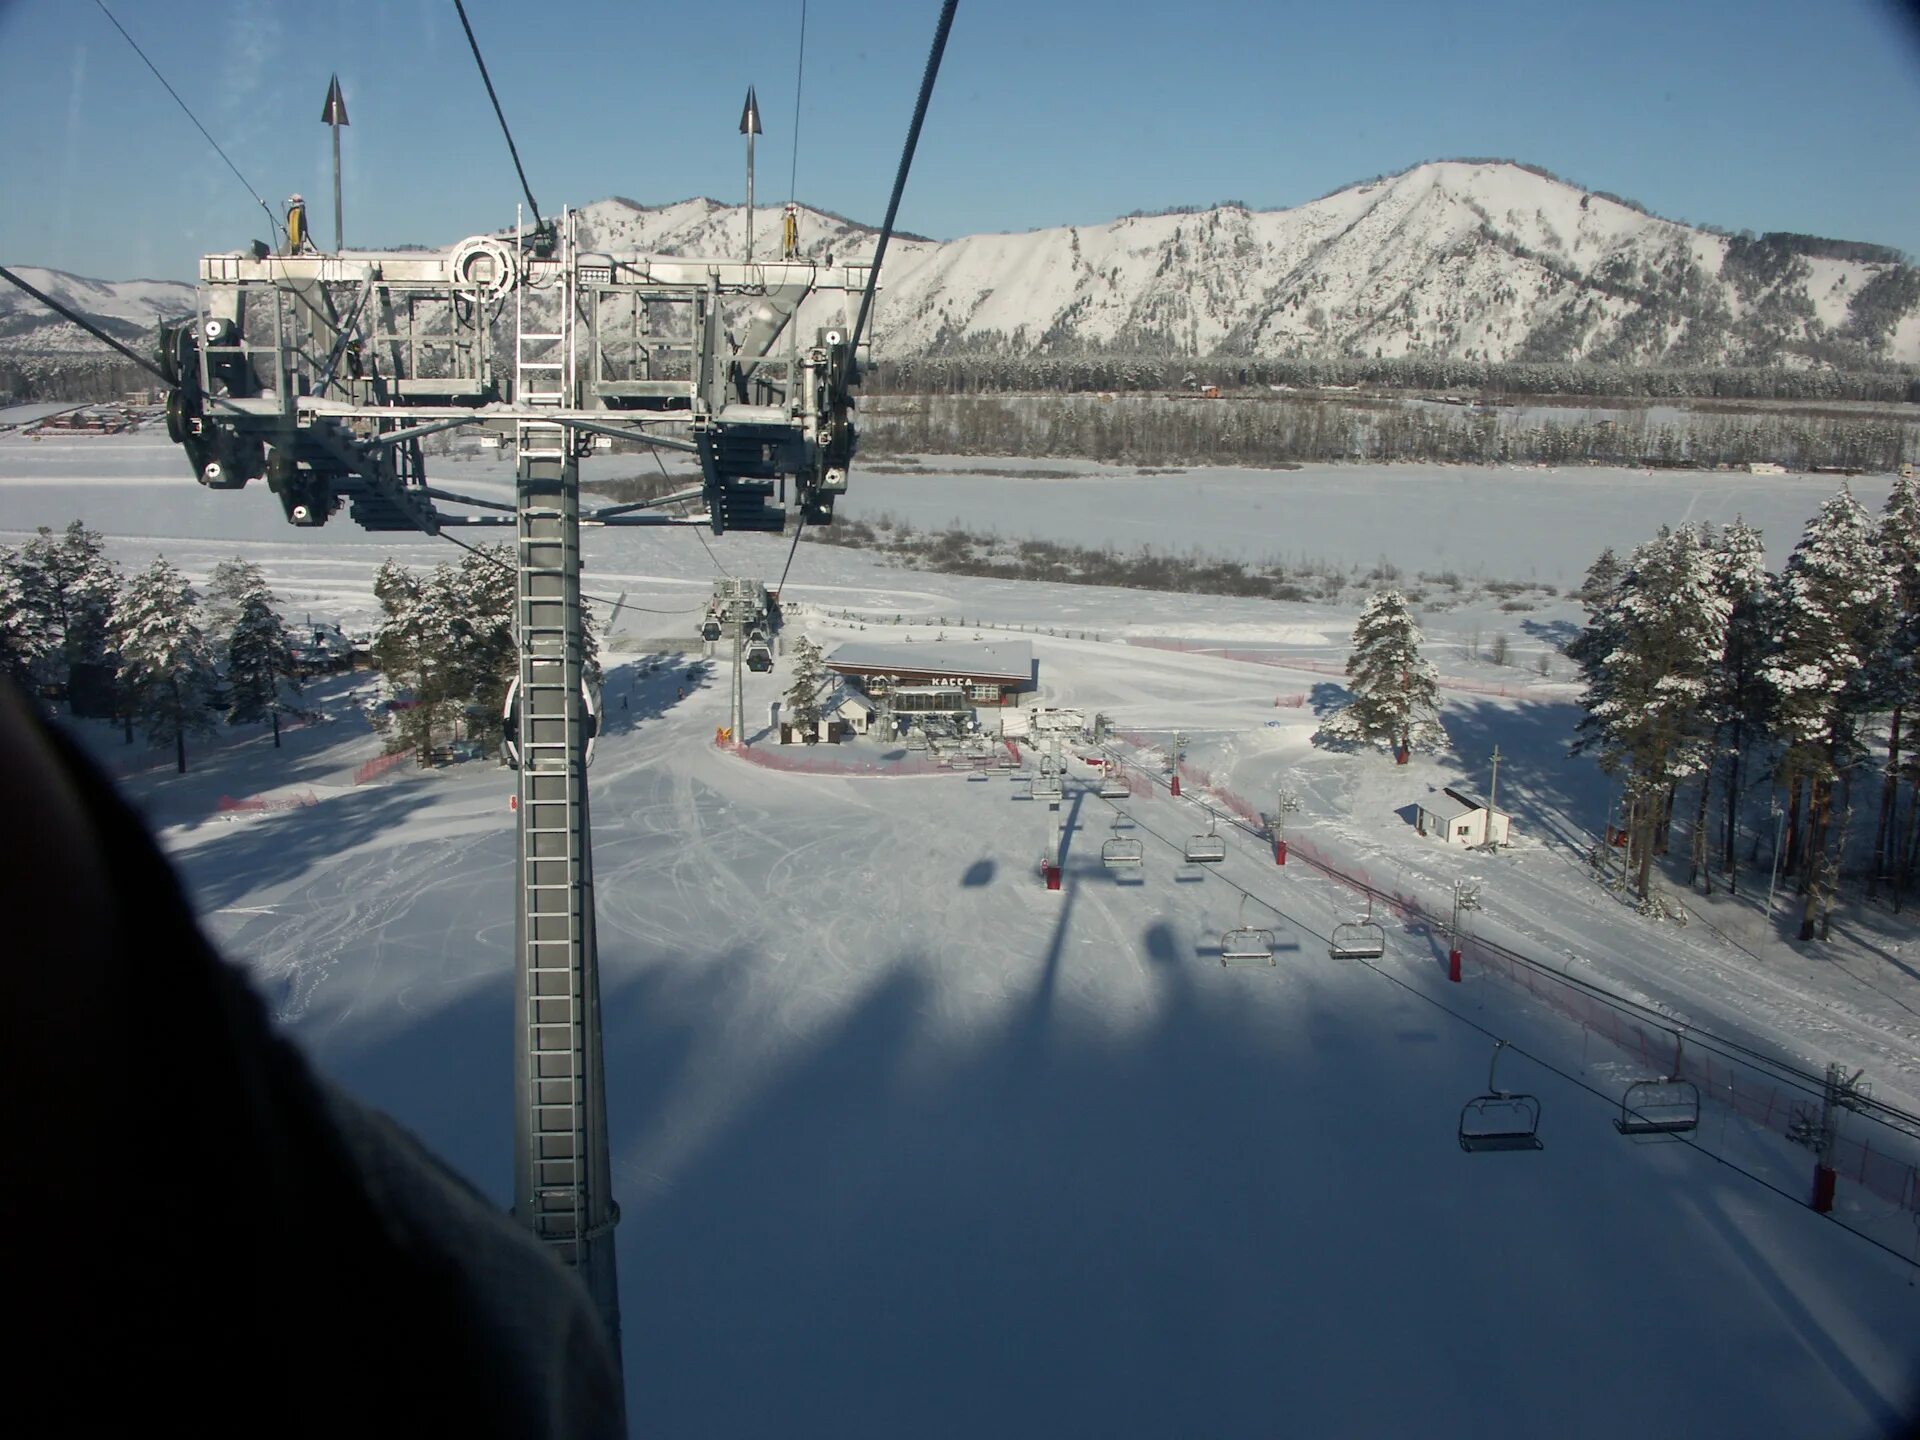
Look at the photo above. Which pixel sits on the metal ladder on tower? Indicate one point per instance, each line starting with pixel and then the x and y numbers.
pixel 555 885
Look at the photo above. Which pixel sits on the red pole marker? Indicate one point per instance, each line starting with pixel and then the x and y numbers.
pixel 1279 852
pixel 1453 965
pixel 513 802
pixel 1176 787
pixel 1823 1179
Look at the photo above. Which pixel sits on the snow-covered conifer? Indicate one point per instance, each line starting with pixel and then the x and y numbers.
pixel 1834 597
pixel 803 697
pixel 28 635
pixel 69 578
pixel 1895 663
pixel 1396 698
pixel 1647 693
pixel 166 667
pixel 262 676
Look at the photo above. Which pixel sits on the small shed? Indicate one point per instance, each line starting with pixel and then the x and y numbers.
pixel 1462 818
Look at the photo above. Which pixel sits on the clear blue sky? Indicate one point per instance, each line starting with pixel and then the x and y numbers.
pixel 1750 114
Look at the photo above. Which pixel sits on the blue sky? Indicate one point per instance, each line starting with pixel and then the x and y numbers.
pixel 1741 113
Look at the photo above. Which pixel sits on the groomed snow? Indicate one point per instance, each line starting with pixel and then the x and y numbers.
pixel 905 1144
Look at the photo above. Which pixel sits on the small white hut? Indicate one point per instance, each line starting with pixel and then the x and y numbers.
pixel 1462 818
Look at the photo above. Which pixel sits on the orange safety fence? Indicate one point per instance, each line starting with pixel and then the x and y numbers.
pixel 263 804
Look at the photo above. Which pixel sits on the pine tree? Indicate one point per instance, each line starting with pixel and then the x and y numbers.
pixel 1647 690
pixel 412 650
pixel 69 578
pixel 166 666
pixel 1396 696
pixel 262 676
pixel 1834 596
pixel 1895 664
pixel 28 635
pixel 1742 700
pixel 227 587
pixel 803 698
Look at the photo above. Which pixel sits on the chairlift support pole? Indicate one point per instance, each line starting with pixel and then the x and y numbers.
pixel 1285 803
pixel 736 710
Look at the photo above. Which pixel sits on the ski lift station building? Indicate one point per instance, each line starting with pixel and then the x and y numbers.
pixel 939 677
pixel 1462 818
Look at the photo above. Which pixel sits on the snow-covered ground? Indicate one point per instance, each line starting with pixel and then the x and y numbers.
pixel 1493 523
pixel 905 1144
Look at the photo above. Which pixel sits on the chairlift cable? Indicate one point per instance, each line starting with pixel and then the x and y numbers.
pixel 1611 1101
pixel 1784 1071
pixel 273 220
pixel 906 163
pixel 1760 1180
pixel 87 325
pixel 487 80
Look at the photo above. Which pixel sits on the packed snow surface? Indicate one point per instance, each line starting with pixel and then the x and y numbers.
pixel 906 1144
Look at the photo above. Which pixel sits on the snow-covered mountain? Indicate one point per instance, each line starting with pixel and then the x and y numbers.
pixel 128 310
pixel 1466 259
pixel 1481 260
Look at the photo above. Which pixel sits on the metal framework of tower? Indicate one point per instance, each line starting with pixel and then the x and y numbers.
pixel 323 373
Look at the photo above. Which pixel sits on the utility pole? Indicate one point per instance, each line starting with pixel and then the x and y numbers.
pixel 1493 800
pixel 334 113
pixel 750 127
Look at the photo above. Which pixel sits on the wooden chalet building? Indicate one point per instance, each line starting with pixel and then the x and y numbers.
pixel 939 677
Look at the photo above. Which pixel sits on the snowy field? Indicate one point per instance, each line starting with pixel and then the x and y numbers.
pixel 906 1145
pixel 1496 523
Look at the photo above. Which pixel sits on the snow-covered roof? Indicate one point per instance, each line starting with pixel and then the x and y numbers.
pixel 1011 660
pixel 1448 806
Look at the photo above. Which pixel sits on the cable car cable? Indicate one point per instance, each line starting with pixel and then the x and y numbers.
pixel 906 163
pixel 512 149
pixel 799 78
pixel 273 220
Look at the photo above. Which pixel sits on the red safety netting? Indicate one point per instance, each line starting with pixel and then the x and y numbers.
pixel 1748 1091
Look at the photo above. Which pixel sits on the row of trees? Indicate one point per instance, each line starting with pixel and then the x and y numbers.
pixel 1700 665
pixel 1270 430
pixel 1003 374
pixel 148 647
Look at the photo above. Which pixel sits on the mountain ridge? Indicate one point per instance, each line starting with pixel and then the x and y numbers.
pixel 1489 260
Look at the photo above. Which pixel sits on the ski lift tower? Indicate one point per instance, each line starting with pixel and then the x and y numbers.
pixel 322 373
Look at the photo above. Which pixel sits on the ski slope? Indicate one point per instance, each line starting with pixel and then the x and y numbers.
pixel 905 1144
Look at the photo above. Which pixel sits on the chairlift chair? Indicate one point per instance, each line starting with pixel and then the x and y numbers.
pixel 1500 1119
pixel 1122 851
pixel 1246 944
pixel 1361 939
pixel 1113 782
pixel 1046 785
pixel 977 775
pixel 1660 1105
pixel 1207 849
